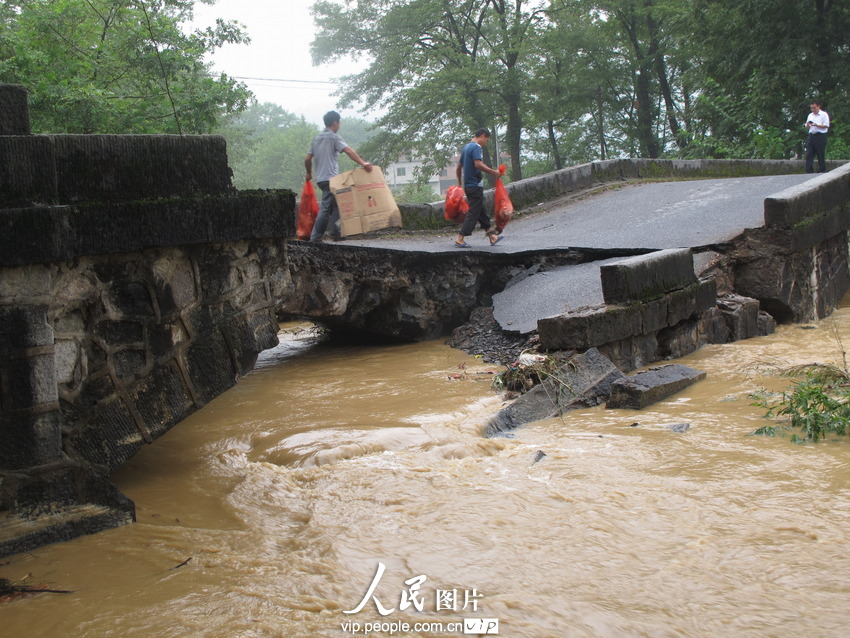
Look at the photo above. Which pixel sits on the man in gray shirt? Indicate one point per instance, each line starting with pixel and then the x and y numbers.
pixel 325 150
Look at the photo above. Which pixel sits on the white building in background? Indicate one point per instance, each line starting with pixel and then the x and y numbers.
pixel 402 172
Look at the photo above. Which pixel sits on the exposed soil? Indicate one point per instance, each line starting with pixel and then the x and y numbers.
pixel 482 335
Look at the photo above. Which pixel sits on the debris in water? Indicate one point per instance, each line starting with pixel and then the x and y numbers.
pixel 679 427
pixel 11 591
pixel 538 456
pixel 185 562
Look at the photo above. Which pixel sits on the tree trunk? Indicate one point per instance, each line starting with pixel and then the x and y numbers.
pixel 553 142
pixel 661 73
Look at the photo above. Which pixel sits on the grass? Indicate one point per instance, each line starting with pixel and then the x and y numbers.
pixel 816 406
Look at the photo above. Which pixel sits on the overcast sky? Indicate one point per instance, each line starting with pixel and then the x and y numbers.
pixel 276 64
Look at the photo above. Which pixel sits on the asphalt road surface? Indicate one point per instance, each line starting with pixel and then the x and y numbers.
pixel 683 214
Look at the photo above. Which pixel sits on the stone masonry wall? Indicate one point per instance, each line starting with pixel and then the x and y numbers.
pixel 143 340
pixel 135 286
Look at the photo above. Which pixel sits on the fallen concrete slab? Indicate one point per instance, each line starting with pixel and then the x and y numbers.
pixel 639 390
pixel 584 380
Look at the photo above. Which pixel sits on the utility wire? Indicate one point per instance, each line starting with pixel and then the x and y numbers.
pixel 242 77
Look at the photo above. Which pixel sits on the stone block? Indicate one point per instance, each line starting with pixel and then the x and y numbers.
pixel 162 399
pixel 574 178
pixel 111 168
pixel 27 171
pixel 681 304
pixel 130 300
pixel 613 323
pixel 28 382
pixel 741 315
pixel 566 332
pixel 162 339
pixel 209 366
pixel 26 285
pixel 713 327
pixel 766 324
pixel 23 327
pixel 589 327
pixel 584 380
pixel 706 295
pixel 109 438
pixel 250 334
pixel 633 352
pixel 815 230
pixel 639 390
pixel 35 235
pixel 174 284
pixel 609 170
pixel 14 110
pixel 653 315
pixel 647 277
pixel 129 363
pixel 120 333
pixel 57 503
pixel 29 438
pixel 679 340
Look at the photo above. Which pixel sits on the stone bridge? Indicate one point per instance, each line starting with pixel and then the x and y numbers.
pixel 136 285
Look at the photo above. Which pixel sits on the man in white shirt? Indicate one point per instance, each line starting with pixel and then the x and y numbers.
pixel 817 124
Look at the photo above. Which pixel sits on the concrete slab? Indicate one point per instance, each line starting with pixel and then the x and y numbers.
pixel 639 390
pixel 655 215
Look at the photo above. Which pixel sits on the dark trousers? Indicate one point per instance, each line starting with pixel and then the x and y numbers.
pixel 816 145
pixel 328 217
pixel 476 214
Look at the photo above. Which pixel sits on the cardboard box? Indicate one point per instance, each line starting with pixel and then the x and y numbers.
pixel 365 201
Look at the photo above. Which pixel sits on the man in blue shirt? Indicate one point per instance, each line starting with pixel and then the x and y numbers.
pixel 469 175
pixel 325 150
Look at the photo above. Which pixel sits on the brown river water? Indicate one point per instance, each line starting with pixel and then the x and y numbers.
pixel 328 470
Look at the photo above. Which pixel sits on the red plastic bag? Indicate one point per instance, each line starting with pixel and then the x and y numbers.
pixel 456 205
pixel 504 207
pixel 308 208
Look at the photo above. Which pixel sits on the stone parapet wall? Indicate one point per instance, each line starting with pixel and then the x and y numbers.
pixel 64 169
pixel 646 277
pixel 655 309
pixel 44 234
pixel 799 205
pixel 533 190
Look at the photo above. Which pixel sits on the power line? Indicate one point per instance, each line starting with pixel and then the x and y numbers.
pixel 242 77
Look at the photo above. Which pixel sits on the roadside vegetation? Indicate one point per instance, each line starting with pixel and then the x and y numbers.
pixel 816 406
pixel 560 82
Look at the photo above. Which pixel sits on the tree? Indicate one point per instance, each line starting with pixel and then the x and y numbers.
pixel 440 69
pixel 266 146
pixel 116 66
pixel 757 77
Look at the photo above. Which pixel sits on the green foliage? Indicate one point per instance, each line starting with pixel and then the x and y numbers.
pixel 838 143
pixel 416 193
pixel 440 68
pixel 116 66
pixel 817 405
pixel 266 146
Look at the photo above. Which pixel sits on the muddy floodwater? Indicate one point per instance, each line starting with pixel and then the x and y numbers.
pixel 355 479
